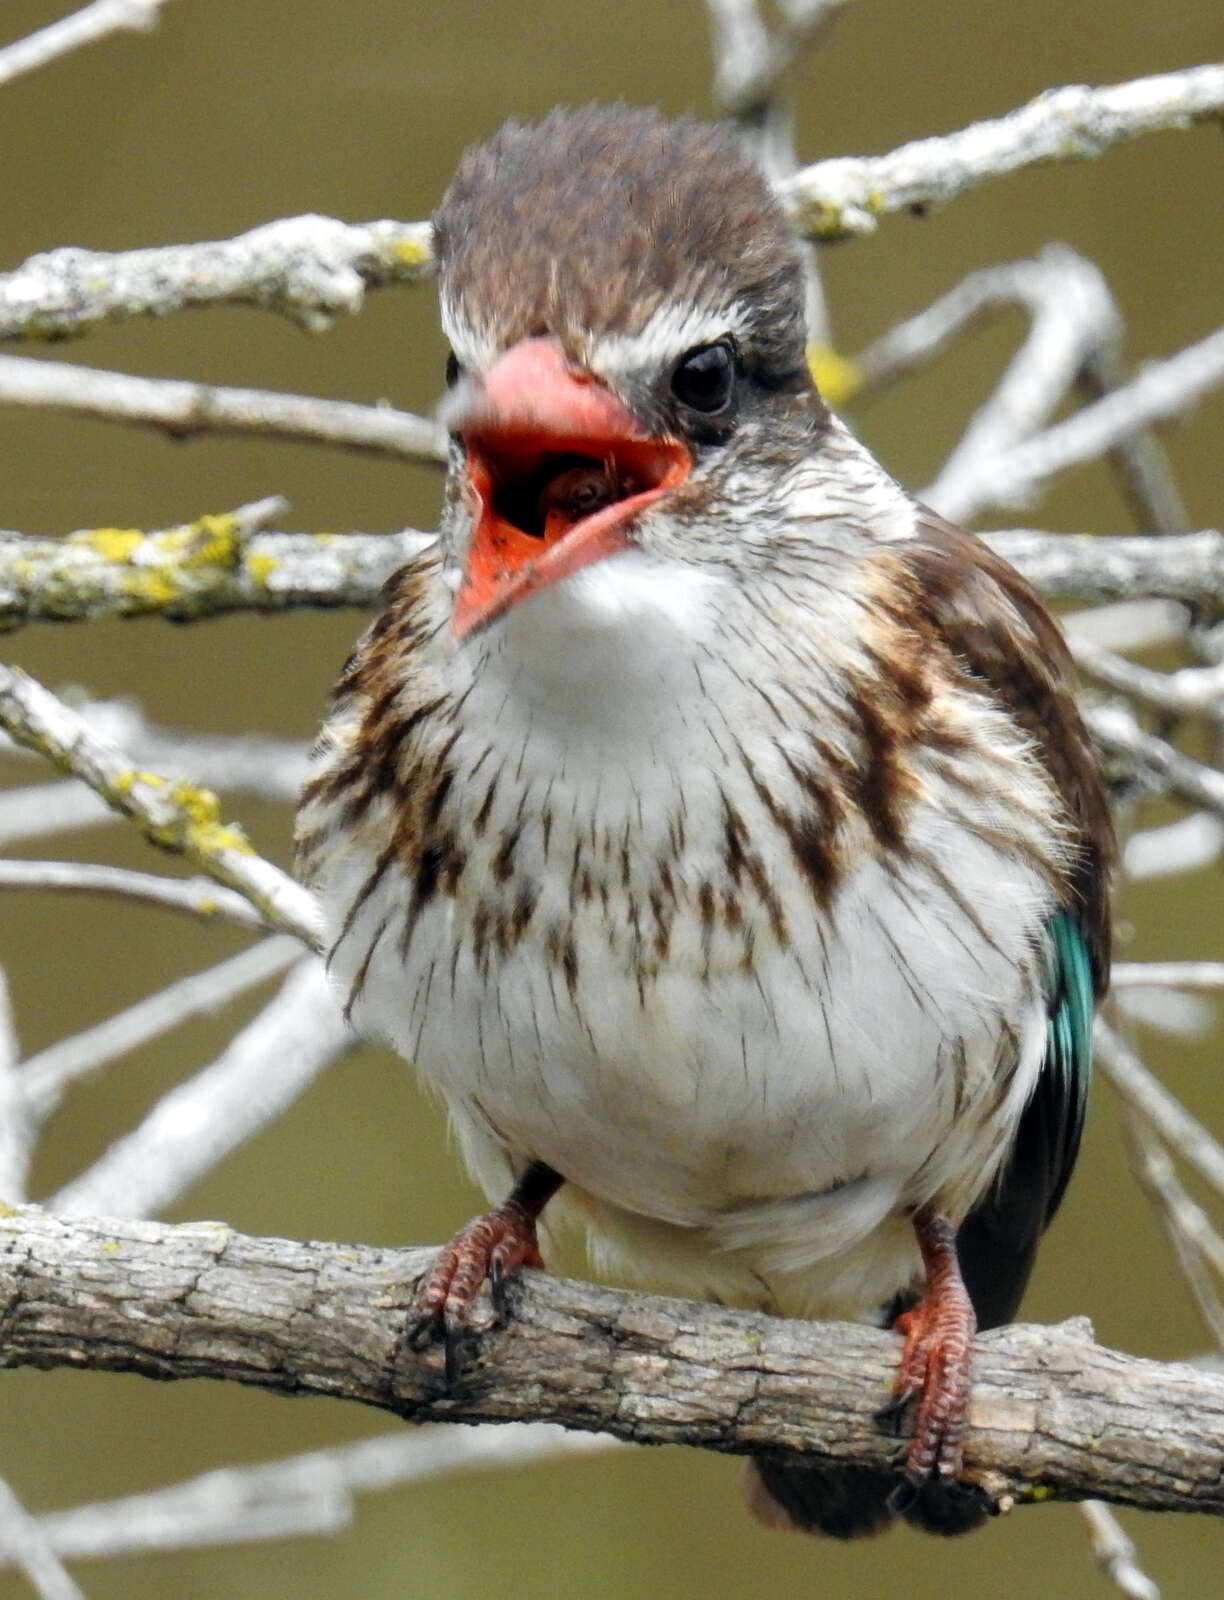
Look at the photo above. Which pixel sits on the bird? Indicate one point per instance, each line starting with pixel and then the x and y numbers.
pixel 710 822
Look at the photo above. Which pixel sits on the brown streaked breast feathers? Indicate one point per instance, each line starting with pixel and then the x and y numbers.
pixel 1002 633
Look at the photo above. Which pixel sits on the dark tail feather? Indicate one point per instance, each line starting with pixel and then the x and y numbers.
pixel 843 1502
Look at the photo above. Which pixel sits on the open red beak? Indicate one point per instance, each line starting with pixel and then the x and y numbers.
pixel 558 469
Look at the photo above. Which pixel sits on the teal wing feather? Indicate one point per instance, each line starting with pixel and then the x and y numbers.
pixel 999 1238
pixel 1071 992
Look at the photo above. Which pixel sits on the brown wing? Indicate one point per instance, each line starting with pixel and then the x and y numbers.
pixel 1005 637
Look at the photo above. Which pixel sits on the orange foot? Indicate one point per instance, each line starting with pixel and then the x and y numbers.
pixel 934 1371
pixel 493 1246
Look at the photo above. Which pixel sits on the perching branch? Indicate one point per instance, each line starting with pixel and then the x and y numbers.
pixel 312 268
pixel 1053 1415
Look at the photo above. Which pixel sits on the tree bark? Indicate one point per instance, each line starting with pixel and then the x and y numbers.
pixel 1053 1415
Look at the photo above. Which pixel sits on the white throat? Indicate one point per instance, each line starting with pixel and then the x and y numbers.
pixel 611 653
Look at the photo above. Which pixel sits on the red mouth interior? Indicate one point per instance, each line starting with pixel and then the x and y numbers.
pixel 539 488
pixel 550 505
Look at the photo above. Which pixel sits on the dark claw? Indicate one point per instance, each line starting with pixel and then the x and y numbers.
pixel 455 1345
pixel 498 1291
pixel 424 1331
pixel 891 1415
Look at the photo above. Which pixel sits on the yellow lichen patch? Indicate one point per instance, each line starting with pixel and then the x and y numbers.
pixel 261 568
pixel 7 1210
pixel 410 252
pixel 127 781
pixel 837 378
pixel 211 541
pixel 151 588
pixel 112 544
pixel 111 1246
pixel 207 835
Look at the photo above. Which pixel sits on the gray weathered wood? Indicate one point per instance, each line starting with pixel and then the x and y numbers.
pixel 1053 1415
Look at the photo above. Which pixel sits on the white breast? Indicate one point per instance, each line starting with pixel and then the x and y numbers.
pixel 744 1099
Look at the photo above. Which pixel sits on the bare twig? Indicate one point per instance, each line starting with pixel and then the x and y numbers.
pixel 1196 1244
pixel 750 59
pixel 1115 1553
pixel 1186 845
pixel 1151 761
pixel 45 1076
pixel 1141 463
pixel 200 896
pixel 1052 1415
pixel 1184 1134
pixel 183 409
pixel 193 1127
pixel 83 27
pixel 1159 390
pixel 1192 691
pixel 311 269
pixel 16 1128
pixel 103 572
pixel 848 195
pixel 26 1546
pixel 174 816
pixel 1207 975
pixel 304 1495
pixel 39 810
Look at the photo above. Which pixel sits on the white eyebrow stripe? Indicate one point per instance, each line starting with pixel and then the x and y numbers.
pixel 668 333
pixel 474 350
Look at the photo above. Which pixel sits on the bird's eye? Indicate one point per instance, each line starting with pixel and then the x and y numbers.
pixel 453 370
pixel 704 378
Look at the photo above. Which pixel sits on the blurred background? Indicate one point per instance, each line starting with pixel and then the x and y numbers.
pixel 235 113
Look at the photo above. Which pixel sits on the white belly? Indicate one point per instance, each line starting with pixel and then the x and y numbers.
pixel 747 1129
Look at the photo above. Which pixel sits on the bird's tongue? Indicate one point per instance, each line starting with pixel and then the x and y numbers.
pixel 576 493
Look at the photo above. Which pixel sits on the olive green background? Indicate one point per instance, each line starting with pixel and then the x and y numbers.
pixel 232 114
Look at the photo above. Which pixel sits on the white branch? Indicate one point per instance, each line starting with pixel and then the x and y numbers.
pixel 45 1076
pixel 1159 390
pixel 1187 845
pixel 849 194
pixel 1152 761
pixel 1190 691
pixel 1161 1110
pixel 26 1544
pixel 1072 314
pixel 199 896
pixel 16 1126
pixel 1206 975
pixel 83 27
pixel 304 1495
pixel 309 268
pixel 184 408
pixel 193 1127
pixel 1115 1553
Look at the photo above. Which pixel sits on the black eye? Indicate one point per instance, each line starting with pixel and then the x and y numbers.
pixel 704 378
pixel 453 370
